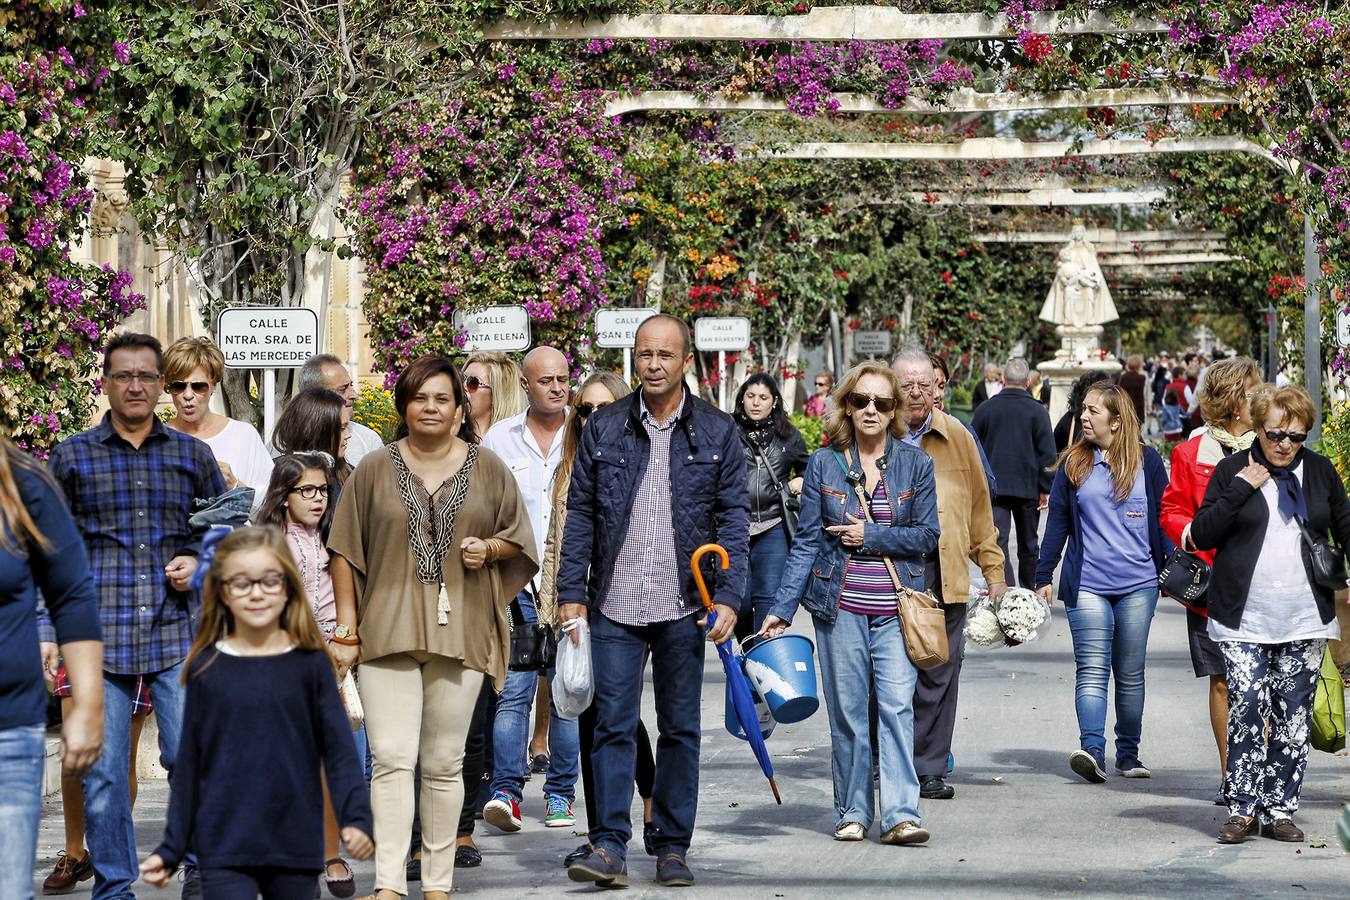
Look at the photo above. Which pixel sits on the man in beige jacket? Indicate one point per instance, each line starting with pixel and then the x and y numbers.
pixel 966 520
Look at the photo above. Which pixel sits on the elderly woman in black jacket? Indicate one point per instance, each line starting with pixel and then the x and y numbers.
pixel 1270 610
pixel 775 458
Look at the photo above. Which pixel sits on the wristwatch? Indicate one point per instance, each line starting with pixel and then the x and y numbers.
pixel 344 632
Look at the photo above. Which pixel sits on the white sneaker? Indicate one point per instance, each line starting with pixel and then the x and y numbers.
pixel 850 831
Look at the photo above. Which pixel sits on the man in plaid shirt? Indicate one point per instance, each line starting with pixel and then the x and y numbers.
pixel 131 484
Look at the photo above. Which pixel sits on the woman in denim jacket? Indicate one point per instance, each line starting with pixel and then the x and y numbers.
pixel 836 570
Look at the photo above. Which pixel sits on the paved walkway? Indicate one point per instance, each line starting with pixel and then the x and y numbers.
pixel 1021 824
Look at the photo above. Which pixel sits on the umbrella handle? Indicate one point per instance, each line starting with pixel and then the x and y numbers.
pixel 698 573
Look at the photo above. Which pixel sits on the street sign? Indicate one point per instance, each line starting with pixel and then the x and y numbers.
pixel 496 328
pixel 267 337
pixel 872 343
pixel 724 334
pixel 1343 328
pixel 616 329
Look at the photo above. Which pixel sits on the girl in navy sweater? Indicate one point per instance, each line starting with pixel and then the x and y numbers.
pixel 262 721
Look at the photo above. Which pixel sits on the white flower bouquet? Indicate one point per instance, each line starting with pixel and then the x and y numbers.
pixel 1021 613
pixel 982 628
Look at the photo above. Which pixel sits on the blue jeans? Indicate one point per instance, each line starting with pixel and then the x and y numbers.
pixel 857 651
pixel 768 556
pixel 511 734
pixel 23 749
pixel 618 653
pixel 108 827
pixel 1110 635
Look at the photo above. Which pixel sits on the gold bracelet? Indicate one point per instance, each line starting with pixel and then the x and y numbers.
pixel 494 550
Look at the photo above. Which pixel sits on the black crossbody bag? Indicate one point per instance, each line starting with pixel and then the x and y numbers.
pixel 533 648
pixel 1326 562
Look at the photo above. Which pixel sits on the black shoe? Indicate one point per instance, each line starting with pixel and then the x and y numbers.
pixel 468 858
pixel 539 763
pixel 673 871
pixel 413 869
pixel 648 835
pixel 577 855
pixel 1087 766
pixel 934 788
pixel 603 867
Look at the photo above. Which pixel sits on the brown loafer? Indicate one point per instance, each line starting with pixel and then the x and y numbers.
pixel 1283 830
pixel 342 885
pixel 68 873
pixel 1237 829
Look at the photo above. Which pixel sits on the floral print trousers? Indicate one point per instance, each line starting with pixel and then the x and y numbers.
pixel 1269 685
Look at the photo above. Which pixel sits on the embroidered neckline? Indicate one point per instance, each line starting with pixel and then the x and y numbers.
pixel 431 521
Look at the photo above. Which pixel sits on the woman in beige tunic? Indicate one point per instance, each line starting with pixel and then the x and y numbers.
pixel 431 541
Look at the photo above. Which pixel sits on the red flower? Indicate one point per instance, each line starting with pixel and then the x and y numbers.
pixel 1035 47
pixel 947 277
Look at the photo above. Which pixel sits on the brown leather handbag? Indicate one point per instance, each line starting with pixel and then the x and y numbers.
pixel 922 620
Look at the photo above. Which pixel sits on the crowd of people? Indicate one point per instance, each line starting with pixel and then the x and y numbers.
pixel 386 614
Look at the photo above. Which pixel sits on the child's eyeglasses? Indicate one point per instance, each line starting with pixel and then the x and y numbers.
pixel 310 491
pixel 241 586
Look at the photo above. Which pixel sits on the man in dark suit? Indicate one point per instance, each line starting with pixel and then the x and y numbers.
pixel 1014 429
pixel 989 387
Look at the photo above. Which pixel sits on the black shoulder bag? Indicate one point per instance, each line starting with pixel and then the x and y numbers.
pixel 533 648
pixel 787 503
pixel 1326 562
pixel 1185 579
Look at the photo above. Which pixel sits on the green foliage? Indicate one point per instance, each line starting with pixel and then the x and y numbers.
pixel 811 427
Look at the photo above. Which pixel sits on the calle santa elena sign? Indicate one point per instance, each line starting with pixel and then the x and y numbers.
pixel 503 329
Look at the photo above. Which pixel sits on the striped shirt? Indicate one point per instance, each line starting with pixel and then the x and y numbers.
pixel 132 505
pixel 646 585
pixel 868 589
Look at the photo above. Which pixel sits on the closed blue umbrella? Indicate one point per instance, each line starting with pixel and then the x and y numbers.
pixel 737 686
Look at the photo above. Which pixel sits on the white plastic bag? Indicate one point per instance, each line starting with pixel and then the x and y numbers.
pixel 573 687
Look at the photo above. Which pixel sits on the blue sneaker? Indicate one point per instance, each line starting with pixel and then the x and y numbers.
pixel 603 867
pixel 951 763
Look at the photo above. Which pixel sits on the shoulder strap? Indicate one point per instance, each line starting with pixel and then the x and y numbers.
pixel 759 451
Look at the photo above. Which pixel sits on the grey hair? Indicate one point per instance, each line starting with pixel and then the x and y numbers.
pixel 912 354
pixel 311 373
pixel 1016 372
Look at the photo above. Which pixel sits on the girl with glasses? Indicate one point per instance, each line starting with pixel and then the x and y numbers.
pixel 299 501
pixel 257 639
pixel 1270 610
pixel 838 570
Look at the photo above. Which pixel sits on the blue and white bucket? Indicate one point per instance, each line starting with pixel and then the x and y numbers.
pixel 782 670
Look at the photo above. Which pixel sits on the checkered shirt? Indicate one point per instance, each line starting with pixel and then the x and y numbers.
pixel 646 584
pixel 132 506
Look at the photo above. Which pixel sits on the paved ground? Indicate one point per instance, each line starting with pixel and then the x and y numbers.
pixel 1021 823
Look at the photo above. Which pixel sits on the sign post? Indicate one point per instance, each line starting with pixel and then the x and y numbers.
pixel 617 328
pixel 722 334
pixel 502 329
pixel 872 343
pixel 268 338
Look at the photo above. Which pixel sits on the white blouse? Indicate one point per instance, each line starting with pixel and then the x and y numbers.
pixel 1280 604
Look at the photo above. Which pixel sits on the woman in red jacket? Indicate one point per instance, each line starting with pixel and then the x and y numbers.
pixel 1225 403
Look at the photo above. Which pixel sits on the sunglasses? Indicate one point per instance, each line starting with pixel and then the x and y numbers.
pixel 198 387
pixel 585 409
pixel 472 384
pixel 822 384
pixel 859 402
pixel 1276 437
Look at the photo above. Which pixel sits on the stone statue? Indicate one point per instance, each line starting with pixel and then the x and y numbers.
pixel 1079 296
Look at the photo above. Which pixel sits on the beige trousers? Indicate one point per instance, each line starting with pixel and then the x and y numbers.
pixel 418 708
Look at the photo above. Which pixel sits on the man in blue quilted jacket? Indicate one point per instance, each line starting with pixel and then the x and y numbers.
pixel 658 473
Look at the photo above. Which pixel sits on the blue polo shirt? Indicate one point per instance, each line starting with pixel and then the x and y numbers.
pixel 1116 556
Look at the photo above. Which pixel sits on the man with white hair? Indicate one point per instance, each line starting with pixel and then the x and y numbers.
pixel 327 371
pixel 1014 429
pixel 967 530
pixel 991 386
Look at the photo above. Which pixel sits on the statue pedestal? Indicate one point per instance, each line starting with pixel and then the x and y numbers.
pixel 1063 372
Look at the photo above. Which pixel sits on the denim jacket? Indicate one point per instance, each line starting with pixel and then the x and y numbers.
pixel 814 576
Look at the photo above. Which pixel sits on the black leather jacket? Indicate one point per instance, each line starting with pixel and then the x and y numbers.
pixel 785 458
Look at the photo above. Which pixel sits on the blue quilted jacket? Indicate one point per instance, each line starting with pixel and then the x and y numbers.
pixel 709 499
pixel 814 577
